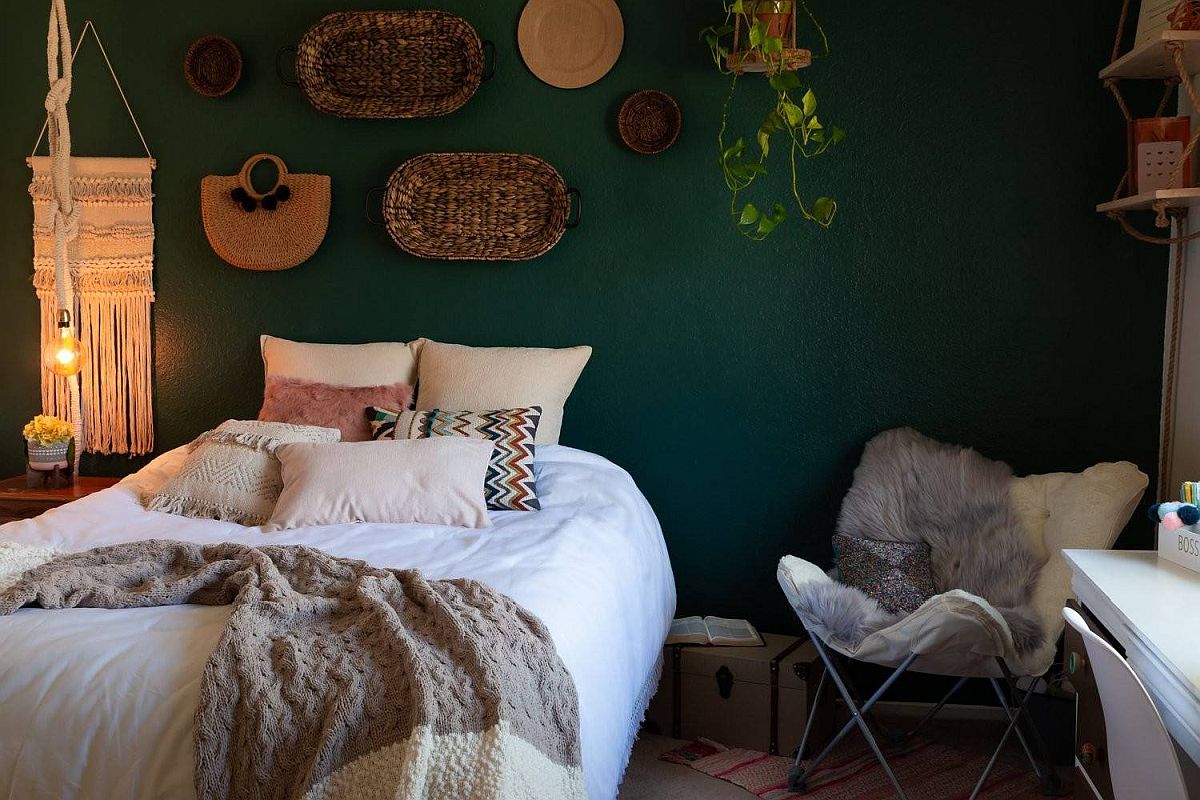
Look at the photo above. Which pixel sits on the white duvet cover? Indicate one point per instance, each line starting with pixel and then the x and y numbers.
pixel 98 704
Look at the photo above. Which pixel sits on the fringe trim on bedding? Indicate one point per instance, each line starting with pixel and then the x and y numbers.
pixel 255 441
pixel 192 507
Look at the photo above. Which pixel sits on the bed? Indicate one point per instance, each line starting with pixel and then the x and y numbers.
pixel 98 703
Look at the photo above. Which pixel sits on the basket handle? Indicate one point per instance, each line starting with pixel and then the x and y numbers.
pixel 372 192
pixel 287 48
pixel 251 162
pixel 488 74
pixel 578 208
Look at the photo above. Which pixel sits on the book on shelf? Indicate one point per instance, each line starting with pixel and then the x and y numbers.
pixel 715 631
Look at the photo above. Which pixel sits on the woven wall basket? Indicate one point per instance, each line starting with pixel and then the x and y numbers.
pixel 649 121
pixel 477 206
pixel 265 231
pixel 390 64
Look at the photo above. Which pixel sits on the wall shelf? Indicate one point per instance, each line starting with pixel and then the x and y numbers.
pixel 1154 60
pixel 1179 198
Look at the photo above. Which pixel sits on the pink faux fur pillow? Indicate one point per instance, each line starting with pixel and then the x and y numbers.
pixel 302 402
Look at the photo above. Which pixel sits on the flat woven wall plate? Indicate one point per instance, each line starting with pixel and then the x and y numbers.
pixel 477 206
pixel 389 64
pixel 649 121
pixel 570 43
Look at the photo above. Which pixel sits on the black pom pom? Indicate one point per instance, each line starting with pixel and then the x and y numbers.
pixel 248 204
pixel 283 193
pixel 239 195
pixel 269 203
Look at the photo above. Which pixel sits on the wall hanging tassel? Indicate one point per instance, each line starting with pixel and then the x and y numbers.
pixel 94 257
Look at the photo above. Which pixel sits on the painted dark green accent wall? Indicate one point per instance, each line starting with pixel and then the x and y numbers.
pixel 967 289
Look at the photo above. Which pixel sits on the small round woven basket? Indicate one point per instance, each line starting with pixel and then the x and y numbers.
pixel 649 121
pixel 213 65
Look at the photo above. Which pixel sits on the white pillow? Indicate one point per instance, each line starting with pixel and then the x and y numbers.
pixel 435 481
pixel 231 472
pixel 1071 511
pixel 453 376
pixel 374 364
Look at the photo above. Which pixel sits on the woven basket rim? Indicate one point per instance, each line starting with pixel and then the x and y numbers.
pixel 635 105
pixel 498 244
pixel 231 77
pixel 312 71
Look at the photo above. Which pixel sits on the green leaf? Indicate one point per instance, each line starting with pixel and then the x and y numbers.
pixel 772 44
pixel 836 135
pixel 758 32
pixel 749 215
pixel 813 124
pixel 794 114
pixel 824 209
pixel 736 7
pixel 784 81
pixel 810 103
pixel 764 142
pixel 818 137
pixel 766 225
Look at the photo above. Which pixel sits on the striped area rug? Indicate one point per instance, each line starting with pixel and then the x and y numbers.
pixel 927 771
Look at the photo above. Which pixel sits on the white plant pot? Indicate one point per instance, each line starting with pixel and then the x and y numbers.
pixel 48 459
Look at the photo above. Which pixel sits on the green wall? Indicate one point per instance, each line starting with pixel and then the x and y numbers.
pixel 967 289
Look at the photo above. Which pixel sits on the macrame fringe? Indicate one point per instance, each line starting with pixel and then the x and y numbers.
pixel 191 507
pixel 255 441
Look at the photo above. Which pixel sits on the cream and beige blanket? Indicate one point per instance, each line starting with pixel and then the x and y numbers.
pixel 334 679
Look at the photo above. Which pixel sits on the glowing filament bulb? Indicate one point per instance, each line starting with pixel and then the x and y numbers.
pixel 64 356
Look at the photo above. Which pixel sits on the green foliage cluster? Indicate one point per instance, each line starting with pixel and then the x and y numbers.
pixel 796 120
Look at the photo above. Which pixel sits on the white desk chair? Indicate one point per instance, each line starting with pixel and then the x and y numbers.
pixel 1141 755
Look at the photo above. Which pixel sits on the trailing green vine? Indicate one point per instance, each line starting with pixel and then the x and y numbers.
pixel 797 121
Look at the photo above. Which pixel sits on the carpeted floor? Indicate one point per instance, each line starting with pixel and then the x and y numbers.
pixel 648 778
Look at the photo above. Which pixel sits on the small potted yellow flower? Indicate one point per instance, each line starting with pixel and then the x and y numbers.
pixel 48 443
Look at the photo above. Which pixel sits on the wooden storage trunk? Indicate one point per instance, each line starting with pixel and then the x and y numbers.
pixel 752 697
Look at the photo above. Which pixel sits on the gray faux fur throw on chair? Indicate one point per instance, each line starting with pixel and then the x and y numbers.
pixel 910 488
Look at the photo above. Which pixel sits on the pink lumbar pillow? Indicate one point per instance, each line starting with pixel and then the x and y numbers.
pixel 326 405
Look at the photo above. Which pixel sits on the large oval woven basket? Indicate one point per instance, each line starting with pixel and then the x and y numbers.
pixel 390 64
pixel 477 206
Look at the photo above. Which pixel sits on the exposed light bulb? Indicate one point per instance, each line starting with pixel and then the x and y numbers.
pixel 64 356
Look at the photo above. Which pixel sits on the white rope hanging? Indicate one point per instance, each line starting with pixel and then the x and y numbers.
pixel 63 213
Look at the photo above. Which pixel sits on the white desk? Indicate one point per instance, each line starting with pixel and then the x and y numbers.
pixel 1150 607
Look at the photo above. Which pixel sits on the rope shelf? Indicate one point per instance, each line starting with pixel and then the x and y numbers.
pixel 1170 59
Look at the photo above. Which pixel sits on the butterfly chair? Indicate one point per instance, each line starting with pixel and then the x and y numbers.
pixel 1143 764
pixel 995 560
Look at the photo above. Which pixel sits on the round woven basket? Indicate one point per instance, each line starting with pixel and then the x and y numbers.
pixel 649 121
pixel 213 65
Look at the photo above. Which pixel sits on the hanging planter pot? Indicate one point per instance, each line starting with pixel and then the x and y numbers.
pixel 778 20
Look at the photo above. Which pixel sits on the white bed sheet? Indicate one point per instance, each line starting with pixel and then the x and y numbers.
pixel 98 704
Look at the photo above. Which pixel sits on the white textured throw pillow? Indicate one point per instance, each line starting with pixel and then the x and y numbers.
pixel 456 376
pixel 374 364
pixel 432 481
pixel 232 473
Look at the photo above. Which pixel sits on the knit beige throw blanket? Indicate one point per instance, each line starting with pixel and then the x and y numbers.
pixel 334 679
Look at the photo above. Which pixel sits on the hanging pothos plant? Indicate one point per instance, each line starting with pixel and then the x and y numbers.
pixel 759 36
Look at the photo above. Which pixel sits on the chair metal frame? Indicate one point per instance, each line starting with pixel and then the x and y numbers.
pixel 1014 702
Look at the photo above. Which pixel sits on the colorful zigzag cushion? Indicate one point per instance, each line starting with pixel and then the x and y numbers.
pixel 509 485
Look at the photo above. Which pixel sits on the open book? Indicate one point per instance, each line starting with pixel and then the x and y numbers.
pixel 714 631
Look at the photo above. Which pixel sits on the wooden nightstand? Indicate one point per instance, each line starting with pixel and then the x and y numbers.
pixel 19 502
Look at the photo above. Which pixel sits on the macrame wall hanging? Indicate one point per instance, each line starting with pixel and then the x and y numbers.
pixel 93 253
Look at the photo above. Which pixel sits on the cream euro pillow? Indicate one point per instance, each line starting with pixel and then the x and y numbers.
pixel 475 378
pixel 357 365
pixel 432 481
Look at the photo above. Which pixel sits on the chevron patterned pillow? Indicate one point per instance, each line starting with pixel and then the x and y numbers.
pixel 509 485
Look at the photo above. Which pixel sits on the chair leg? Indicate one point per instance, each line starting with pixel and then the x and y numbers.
pixel 815 700
pixel 905 736
pixel 1027 734
pixel 1032 741
pixel 798 773
pixel 1014 719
